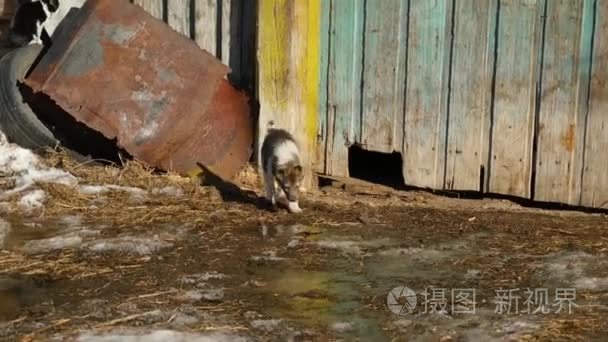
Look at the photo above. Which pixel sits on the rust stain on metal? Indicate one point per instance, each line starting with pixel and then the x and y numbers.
pixel 126 74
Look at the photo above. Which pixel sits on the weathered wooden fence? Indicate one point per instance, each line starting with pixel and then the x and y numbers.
pixel 500 96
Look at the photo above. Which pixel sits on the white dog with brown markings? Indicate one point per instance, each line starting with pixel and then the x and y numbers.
pixel 282 169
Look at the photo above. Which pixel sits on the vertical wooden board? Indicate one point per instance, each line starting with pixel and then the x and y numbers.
pixel 247 45
pixel 154 7
pixel 519 29
pixel 563 107
pixel 288 62
pixel 226 30
pixel 178 16
pixel 324 50
pixel 344 83
pixel 595 176
pixel 205 25
pixel 384 74
pixel 471 94
pixel 305 62
pixel 426 93
pixel 273 67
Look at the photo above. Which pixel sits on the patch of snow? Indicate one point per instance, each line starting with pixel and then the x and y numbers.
pixel 99 189
pixel 158 336
pixel 267 325
pixel 472 274
pixel 130 244
pixel 26 169
pixel 168 191
pixel 354 246
pixel 93 189
pixel 519 326
pixel 213 294
pixel 346 246
pixel 72 221
pixel 342 326
pixel 591 283
pixel 267 256
pixel 52 244
pixel 201 278
pixel 196 295
pixel 32 200
pixel 574 269
pixel 182 319
pixel 416 253
pixel 5 229
pixel 190 296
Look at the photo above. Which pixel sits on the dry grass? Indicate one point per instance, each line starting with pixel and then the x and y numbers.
pixel 121 206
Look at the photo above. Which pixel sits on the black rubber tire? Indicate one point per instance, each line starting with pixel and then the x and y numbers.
pixel 17 120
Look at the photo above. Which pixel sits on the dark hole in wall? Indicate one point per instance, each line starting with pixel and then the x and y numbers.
pixel 376 167
pixel 72 134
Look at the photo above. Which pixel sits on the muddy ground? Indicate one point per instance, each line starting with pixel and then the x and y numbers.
pixel 240 272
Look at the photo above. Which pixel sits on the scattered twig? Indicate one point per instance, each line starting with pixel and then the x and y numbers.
pixel 126 319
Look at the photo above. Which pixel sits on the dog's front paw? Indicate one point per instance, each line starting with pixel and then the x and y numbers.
pixel 294 207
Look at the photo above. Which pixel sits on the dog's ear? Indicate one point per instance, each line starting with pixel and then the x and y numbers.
pixel 53 5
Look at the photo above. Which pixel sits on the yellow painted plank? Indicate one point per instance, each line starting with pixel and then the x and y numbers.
pixel 288 71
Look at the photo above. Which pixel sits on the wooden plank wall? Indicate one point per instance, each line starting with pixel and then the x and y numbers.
pixel 595 178
pixel 288 72
pixel 499 96
pixel 225 28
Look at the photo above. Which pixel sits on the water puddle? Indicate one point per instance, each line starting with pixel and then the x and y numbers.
pixel 341 295
pixel 320 300
pixel 71 233
pixel 300 280
pixel 20 294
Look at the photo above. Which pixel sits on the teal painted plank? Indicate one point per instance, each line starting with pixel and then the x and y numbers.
pixel 519 32
pixel 384 75
pixel 471 95
pixel 323 79
pixel 563 107
pixel 426 93
pixel 344 83
pixel 595 176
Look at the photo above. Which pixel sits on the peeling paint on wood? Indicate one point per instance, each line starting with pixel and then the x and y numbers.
pixel 595 175
pixel 324 49
pixel 471 94
pixel 344 83
pixel 518 40
pixel 384 67
pixel 288 79
pixel 563 107
pixel 426 93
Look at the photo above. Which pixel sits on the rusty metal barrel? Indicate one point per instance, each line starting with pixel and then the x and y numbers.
pixel 129 76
